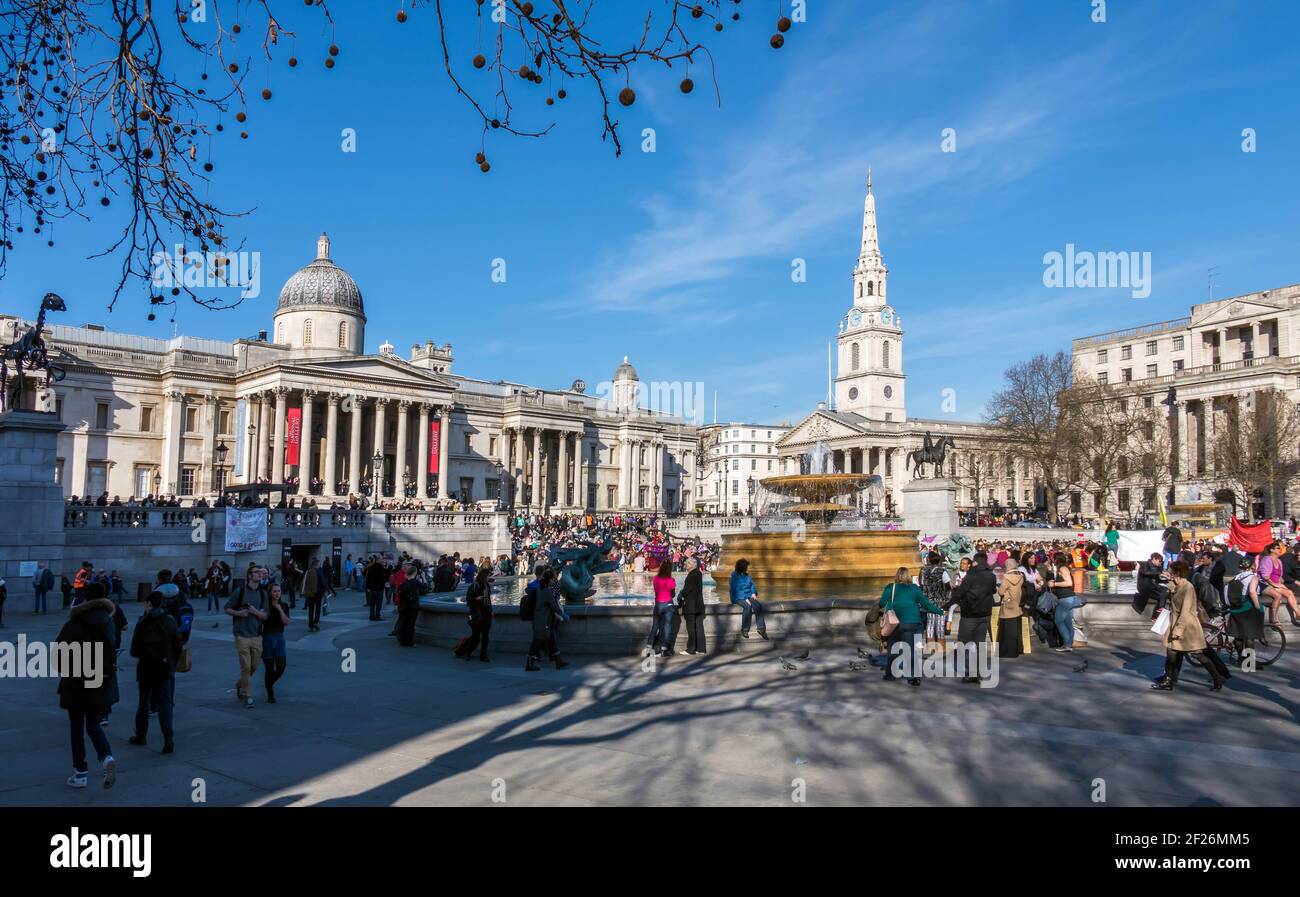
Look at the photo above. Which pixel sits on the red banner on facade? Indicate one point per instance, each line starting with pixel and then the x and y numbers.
pixel 293 438
pixel 435 433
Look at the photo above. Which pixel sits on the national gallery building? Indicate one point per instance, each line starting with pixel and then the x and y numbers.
pixel 304 405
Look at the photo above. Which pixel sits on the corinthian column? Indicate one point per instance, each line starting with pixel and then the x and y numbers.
pixel 539 500
pixel 403 411
pixel 354 447
pixel 422 462
pixel 331 443
pixel 377 471
pixel 520 480
pixel 306 463
pixel 444 473
pixel 562 483
pixel 277 457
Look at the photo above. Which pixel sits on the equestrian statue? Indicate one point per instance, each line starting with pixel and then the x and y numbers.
pixel 930 452
pixel 29 352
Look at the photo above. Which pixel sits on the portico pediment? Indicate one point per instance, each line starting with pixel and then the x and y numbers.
pixel 364 372
pixel 1237 311
pixel 818 427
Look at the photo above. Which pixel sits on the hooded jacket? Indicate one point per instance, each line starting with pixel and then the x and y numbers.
pixel 91 623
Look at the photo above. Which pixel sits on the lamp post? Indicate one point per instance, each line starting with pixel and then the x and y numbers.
pixel 220 451
pixel 157 482
pixel 750 483
pixel 377 474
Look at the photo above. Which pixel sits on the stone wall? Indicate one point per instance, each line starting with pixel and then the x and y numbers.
pixel 138 542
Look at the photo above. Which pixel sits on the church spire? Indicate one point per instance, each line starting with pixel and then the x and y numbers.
pixel 870 274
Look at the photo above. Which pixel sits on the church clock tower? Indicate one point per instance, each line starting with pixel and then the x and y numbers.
pixel 870 377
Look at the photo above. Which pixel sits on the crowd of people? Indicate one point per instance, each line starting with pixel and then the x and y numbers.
pixel 1004 596
pixel 641 543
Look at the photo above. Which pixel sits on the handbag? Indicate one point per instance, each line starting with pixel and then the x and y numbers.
pixel 185 662
pixel 889 620
pixel 1161 625
pixel 1047 602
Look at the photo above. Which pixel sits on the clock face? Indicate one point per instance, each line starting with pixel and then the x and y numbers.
pixel 887 315
pixel 855 318
pixel 889 392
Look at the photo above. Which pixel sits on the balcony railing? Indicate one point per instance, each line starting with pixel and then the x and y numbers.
pixel 1175 324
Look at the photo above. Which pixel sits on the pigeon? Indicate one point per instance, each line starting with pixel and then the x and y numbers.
pixel 863 654
pixel 787 665
pixel 858 667
pixel 1082 668
pixel 803 656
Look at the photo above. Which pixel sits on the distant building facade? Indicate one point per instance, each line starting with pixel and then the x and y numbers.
pixel 189 416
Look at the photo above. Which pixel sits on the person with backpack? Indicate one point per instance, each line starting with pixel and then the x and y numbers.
pixel 974 597
pixel 42 583
pixel 908 602
pixel 478 600
pixel 1245 610
pixel 89 695
pixel 1185 635
pixel 156 645
pixel 275 654
pixel 247 610
pixel 547 612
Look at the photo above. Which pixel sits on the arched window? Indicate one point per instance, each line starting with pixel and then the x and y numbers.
pixel 279 332
pixel 855 356
pixel 306 333
pixel 880 288
pixel 859 290
pixel 343 334
pixel 884 355
pixel 870 288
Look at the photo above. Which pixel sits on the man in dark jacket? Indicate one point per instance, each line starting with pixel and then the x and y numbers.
pixel 1291 567
pixel 1151 585
pixel 975 598
pixel 691 601
pixel 376 578
pixel 1173 537
pixel 90 692
pixel 408 605
pixel 156 645
pixel 313 594
pixel 444 576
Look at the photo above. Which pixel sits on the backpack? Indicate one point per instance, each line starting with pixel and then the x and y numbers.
pixel 1236 593
pixel 527 604
pixel 184 620
pixel 153 643
pixel 1028 595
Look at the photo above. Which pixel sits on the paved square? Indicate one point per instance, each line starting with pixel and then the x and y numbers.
pixel 417 726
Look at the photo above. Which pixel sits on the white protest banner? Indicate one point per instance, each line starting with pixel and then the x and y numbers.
pixel 245 529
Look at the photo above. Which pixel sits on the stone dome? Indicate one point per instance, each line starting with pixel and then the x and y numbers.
pixel 625 371
pixel 322 284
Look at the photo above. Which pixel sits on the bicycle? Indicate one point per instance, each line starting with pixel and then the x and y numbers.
pixel 1268 650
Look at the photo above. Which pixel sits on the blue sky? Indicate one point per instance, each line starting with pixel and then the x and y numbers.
pixel 1122 136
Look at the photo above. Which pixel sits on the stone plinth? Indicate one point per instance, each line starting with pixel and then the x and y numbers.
pixel 31 527
pixel 930 507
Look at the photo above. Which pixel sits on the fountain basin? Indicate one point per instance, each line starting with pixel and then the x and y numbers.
pixel 816 561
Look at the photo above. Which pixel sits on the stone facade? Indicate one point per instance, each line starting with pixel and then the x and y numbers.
pixel 188 416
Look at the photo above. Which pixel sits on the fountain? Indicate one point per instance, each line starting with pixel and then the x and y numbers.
pixel 817 556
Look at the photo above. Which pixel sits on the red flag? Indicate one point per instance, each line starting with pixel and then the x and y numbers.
pixel 294 438
pixel 1251 538
pixel 435 432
